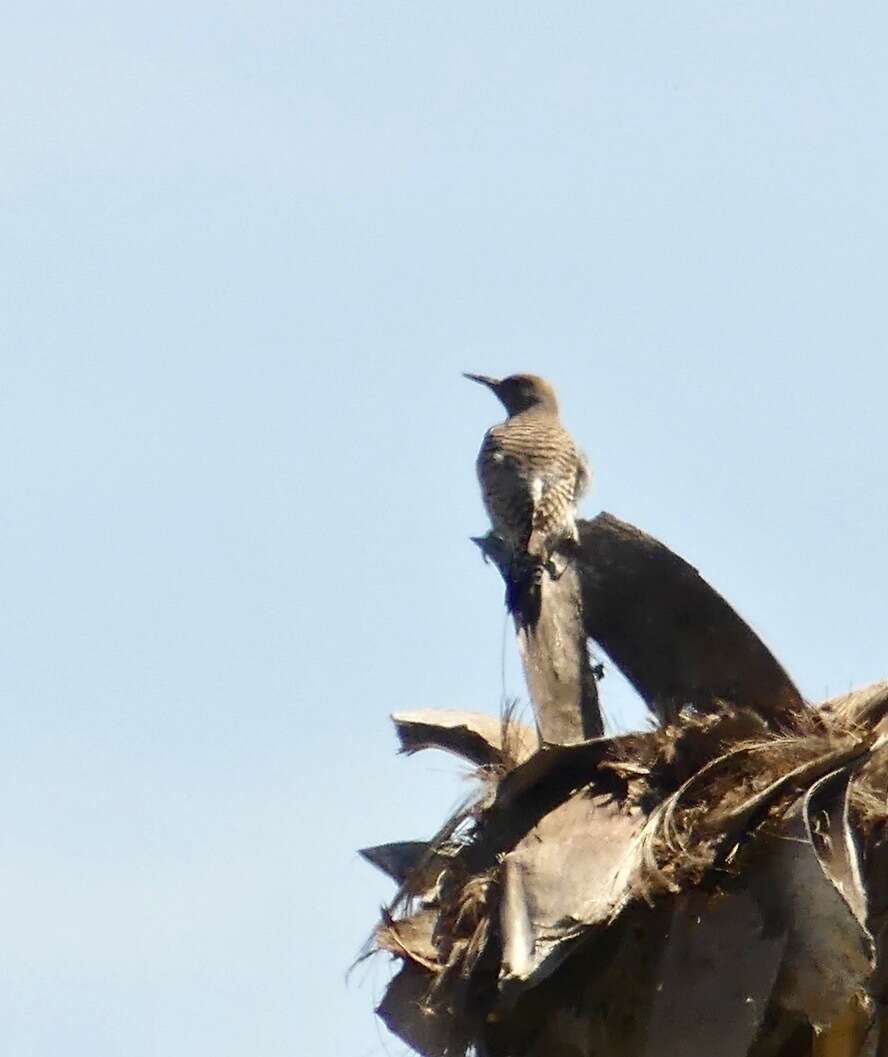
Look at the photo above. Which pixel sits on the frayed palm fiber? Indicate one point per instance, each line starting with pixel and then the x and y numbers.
pixel 705 787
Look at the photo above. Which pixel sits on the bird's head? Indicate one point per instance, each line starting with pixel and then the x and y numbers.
pixel 520 392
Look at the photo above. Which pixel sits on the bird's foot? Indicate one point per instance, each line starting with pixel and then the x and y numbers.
pixel 564 553
pixel 493 549
pixel 555 569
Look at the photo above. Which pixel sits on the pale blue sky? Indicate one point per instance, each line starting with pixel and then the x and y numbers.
pixel 247 250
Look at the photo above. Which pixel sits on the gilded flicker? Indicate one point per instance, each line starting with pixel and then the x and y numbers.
pixel 531 471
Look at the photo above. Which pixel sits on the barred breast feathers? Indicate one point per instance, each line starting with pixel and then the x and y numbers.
pixel 530 470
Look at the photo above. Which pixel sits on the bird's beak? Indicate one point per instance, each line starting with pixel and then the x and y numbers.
pixel 482 379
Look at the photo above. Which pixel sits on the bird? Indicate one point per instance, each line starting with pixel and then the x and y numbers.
pixel 530 470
